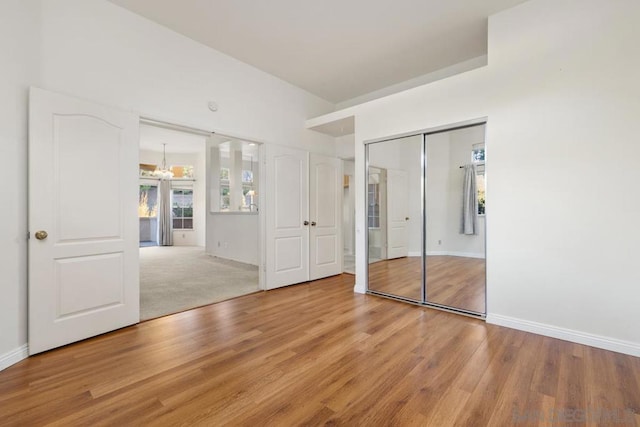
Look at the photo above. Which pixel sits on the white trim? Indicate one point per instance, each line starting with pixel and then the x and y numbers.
pixel 437 253
pixel 14 356
pixel 460 254
pixel 226 258
pixel 612 344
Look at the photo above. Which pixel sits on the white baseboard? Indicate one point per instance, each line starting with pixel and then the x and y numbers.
pixel 460 254
pixel 14 356
pixel 242 261
pixel 437 253
pixel 606 343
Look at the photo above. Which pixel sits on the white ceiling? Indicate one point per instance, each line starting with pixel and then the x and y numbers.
pixel 335 49
pixel 152 138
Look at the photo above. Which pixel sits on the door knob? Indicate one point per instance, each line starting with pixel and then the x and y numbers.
pixel 406 218
pixel 313 223
pixel 41 235
pixel 306 223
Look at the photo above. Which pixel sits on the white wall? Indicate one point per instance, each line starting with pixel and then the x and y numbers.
pixel 234 236
pixel 562 100
pixel 197 236
pixel 437 201
pixel 345 146
pixel 19 56
pixel 96 50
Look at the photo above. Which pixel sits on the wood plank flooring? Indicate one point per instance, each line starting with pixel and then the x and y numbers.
pixel 318 354
pixel 452 281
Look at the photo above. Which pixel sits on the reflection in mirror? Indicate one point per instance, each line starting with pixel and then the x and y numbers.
pixel 394 217
pixel 455 221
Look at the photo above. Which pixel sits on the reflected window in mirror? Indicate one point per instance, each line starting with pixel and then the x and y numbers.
pixel 373 213
pixel 478 157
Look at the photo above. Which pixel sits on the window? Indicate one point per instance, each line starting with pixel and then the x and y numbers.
pixel 478 157
pixel 148 201
pixel 182 209
pixel 225 198
pixel 236 164
pixel 373 210
pixel 247 186
pixel 481 193
pixel 477 153
pixel 185 171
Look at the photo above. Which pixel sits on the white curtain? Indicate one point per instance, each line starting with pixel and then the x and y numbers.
pixel 469 222
pixel 165 225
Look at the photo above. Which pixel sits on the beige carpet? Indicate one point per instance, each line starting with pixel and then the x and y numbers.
pixel 177 278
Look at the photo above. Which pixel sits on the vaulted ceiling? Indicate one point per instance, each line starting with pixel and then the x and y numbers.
pixel 335 49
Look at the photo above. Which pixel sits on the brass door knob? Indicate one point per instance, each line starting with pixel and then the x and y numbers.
pixel 313 223
pixel 306 223
pixel 41 235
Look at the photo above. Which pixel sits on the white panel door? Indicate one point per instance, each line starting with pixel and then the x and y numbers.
pixel 325 214
pixel 83 194
pixel 287 245
pixel 397 213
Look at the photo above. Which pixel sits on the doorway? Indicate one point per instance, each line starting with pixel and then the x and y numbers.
pixel 180 265
pixel 348 218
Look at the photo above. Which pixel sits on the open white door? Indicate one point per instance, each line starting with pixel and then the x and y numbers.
pixel 325 213
pixel 83 193
pixel 397 213
pixel 287 235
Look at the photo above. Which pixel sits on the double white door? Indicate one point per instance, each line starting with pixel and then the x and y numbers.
pixel 304 206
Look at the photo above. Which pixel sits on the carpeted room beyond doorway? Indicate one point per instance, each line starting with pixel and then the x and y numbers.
pixel 178 278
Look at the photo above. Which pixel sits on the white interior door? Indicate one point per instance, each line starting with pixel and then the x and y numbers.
pixel 325 214
pixel 287 235
pixel 83 194
pixel 397 213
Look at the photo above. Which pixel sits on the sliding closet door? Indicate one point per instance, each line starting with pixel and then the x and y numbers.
pixel 394 217
pixel 455 214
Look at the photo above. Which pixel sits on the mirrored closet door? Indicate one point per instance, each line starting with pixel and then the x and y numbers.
pixel 426 206
pixel 394 217
pixel 455 212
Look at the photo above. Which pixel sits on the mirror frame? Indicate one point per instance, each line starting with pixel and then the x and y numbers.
pixel 424 133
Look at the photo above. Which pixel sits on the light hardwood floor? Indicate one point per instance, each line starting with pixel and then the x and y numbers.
pixel 318 354
pixel 452 281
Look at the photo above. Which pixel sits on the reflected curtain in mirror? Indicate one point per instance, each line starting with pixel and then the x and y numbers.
pixel 469 221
